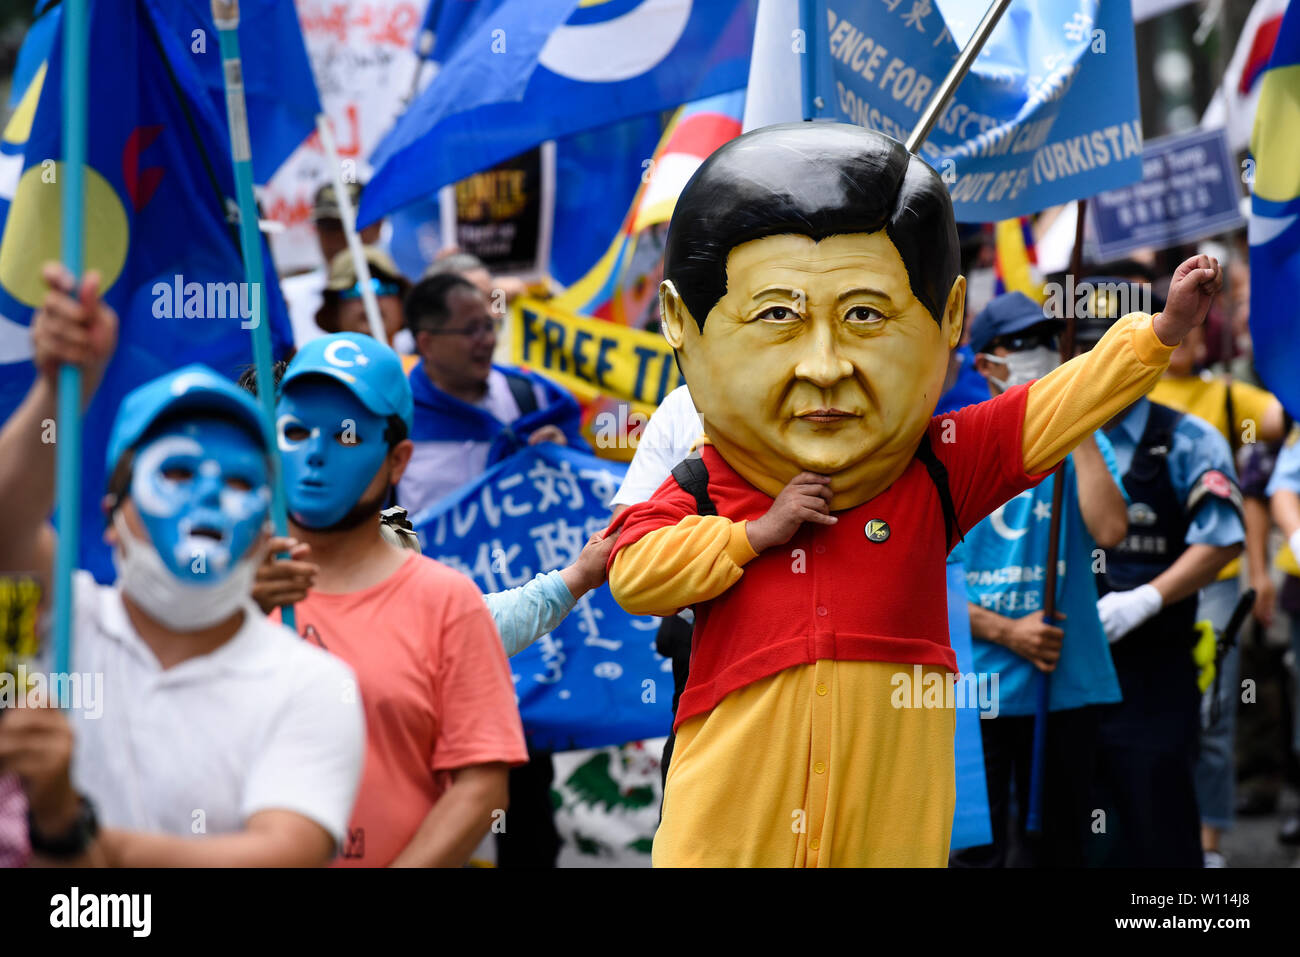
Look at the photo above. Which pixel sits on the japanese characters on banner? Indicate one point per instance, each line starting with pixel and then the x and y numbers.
pixel 1189 190
pixel 595 680
pixel 362 55
pixel 1048 113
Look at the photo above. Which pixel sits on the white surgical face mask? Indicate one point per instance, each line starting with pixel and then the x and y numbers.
pixel 178 605
pixel 1024 366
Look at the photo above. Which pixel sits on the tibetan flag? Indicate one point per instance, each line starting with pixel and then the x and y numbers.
pixel 1015 268
pixel 692 134
pixel 1275 219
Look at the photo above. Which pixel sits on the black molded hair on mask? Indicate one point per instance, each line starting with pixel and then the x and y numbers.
pixel 815 180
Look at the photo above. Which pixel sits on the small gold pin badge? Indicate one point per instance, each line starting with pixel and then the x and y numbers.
pixel 877 530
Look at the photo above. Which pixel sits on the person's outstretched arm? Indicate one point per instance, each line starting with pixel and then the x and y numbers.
pixel 79 331
pixel 1085 393
pixel 524 614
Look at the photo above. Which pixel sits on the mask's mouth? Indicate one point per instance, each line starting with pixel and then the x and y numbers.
pixel 207 531
pixel 826 415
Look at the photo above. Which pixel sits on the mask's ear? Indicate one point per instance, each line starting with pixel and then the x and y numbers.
pixel 954 313
pixel 673 314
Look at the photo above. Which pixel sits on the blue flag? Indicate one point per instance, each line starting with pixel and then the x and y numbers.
pixel 541 69
pixel 596 679
pixel 158 188
pixel 1047 114
pixel 279 88
pixel 1275 219
pixel 597 174
pixel 448 21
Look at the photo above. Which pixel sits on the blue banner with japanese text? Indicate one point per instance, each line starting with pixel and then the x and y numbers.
pixel 1048 112
pixel 595 680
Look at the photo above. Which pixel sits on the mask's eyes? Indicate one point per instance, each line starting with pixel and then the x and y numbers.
pixel 348 438
pixel 864 316
pixel 778 314
pixel 238 483
pixel 295 432
pixel 175 472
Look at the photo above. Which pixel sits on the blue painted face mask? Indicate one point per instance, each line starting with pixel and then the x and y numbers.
pixel 331 446
pixel 202 490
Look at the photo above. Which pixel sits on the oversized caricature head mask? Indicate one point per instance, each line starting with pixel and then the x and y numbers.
pixel 812 295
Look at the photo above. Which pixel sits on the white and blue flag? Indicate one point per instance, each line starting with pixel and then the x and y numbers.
pixel 535 70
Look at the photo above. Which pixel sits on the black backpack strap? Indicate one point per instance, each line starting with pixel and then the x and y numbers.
pixel 693 475
pixel 939 476
pixel 521 387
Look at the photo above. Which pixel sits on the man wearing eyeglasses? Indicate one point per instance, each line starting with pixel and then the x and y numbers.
pixel 469 412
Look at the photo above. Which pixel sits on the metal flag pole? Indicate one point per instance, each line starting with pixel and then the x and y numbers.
pixel 1038 768
pixel 349 217
pixel 225 14
pixel 959 70
pixel 67 486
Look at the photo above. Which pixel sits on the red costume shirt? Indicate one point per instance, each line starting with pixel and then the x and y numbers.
pixel 831 592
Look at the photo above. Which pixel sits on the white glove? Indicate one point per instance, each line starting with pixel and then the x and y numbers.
pixel 1294 542
pixel 1122 611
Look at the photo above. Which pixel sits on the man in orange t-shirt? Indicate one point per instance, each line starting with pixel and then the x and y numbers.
pixel 442 725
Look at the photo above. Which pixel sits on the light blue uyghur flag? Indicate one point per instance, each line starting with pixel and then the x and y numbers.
pixel 560 69
pixel 1048 112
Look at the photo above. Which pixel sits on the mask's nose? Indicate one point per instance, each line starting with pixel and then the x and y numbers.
pixel 316 449
pixel 208 485
pixel 820 362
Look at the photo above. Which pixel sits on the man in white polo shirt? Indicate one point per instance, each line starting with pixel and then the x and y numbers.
pixel 219 738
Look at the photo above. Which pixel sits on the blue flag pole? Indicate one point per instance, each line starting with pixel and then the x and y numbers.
pixel 225 13
pixel 68 462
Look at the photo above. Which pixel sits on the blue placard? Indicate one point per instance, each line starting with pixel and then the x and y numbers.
pixel 595 680
pixel 1047 114
pixel 1189 189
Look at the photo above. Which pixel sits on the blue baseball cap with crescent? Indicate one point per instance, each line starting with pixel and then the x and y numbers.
pixel 195 388
pixel 370 370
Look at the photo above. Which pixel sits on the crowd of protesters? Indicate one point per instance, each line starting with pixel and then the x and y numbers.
pixel 387 732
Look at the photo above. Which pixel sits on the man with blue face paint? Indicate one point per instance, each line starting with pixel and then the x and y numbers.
pixel 442 725
pixel 219 738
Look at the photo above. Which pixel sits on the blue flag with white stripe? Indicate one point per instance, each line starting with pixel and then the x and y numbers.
pixel 541 69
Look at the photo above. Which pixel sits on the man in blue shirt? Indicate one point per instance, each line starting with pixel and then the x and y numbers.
pixel 1185 525
pixel 1006 557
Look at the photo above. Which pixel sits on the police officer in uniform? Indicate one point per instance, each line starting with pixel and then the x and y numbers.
pixel 1184 526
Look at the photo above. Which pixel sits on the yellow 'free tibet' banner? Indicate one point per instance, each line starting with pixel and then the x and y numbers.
pixel 620 374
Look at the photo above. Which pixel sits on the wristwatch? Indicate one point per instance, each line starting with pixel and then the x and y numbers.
pixel 71 843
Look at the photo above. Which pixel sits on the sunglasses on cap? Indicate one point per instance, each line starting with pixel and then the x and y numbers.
pixel 1024 341
pixel 380 287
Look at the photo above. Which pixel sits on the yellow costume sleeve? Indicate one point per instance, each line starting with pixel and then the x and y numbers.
pixel 1070 403
pixel 697 559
